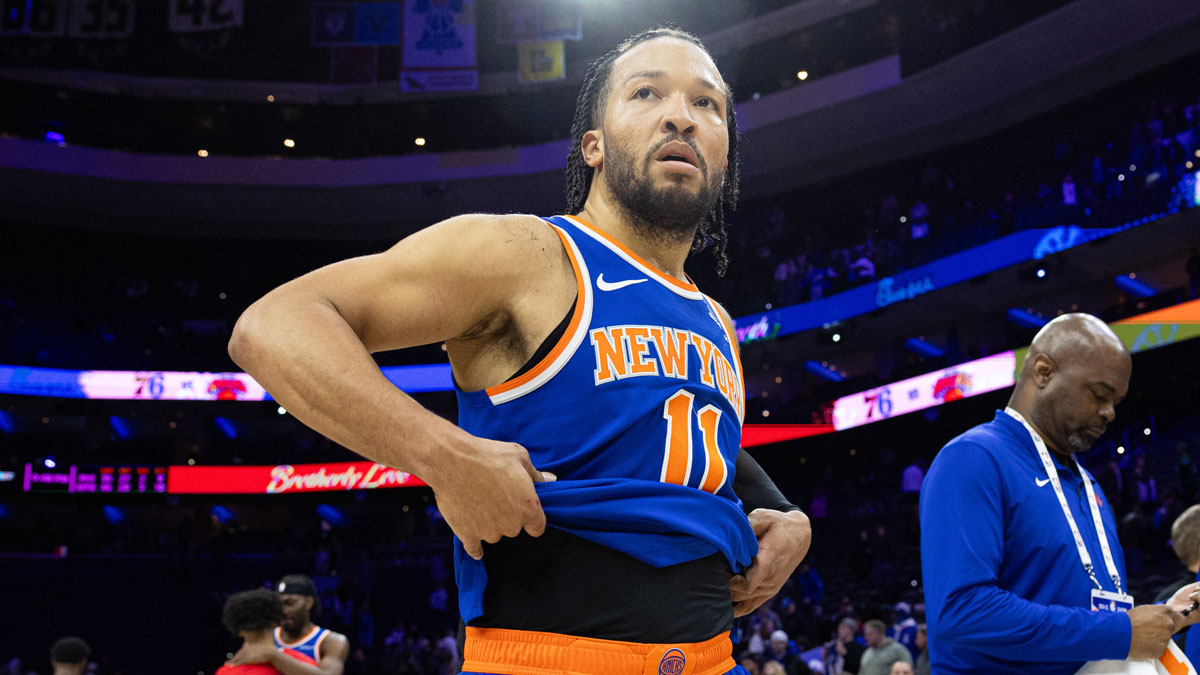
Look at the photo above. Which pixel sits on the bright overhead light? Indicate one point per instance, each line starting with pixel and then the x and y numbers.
pixel 287 142
pixel 802 75
pixel 270 98
pixel 202 152
pixel 419 140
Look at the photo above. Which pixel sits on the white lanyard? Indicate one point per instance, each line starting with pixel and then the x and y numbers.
pixel 1052 474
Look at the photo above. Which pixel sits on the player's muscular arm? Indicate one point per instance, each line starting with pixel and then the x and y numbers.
pixel 335 650
pixel 309 343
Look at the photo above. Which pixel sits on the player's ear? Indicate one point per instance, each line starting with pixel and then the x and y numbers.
pixel 592 147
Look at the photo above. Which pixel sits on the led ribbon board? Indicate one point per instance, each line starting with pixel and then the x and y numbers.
pixel 924 391
pixel 286 478
pixel 131 385
pixel 954 269
pixel 1140 333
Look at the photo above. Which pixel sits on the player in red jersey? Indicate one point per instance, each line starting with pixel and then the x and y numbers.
pixel 253 616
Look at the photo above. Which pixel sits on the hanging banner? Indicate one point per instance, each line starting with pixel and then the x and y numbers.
pixel 538 21
pixel 35 18
pixel 193 16
pixel 333 23
pixel 101 19
pixel 439 46
pixel 540 62
pixel 377 23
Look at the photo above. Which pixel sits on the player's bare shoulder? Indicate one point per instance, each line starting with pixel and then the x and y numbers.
pixel 500 245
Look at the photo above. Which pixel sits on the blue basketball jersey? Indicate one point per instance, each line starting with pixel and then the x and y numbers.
pixel 310 646
pixel 637 409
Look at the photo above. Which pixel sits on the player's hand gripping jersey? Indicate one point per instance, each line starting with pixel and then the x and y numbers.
pixel 637 409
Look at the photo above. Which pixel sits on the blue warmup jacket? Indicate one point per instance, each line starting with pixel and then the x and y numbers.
pixel 1005 591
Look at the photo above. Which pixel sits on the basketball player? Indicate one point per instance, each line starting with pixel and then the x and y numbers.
pixel 69 656
pixel 600 391
pixel 323 651
pixel 253 616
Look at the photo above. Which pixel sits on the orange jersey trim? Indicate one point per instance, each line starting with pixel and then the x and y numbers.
pixel 519 652
pixel 572 327
pixel 663 276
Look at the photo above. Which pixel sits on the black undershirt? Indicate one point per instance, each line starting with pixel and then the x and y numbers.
pixel 562 583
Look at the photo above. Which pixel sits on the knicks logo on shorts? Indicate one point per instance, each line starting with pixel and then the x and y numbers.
pixel 672 662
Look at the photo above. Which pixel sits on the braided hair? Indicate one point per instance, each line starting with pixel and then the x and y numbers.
pixel 589 114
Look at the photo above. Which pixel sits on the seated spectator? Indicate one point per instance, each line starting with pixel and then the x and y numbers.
pixel 778 651
pixel 882 651
pixel 901 668
pixel 921 667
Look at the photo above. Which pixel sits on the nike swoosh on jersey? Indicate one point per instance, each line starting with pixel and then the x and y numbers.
pixel 1041 481
pixel 614 285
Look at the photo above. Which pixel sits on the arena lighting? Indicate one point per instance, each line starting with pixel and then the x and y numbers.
pixel 282 410
pixel 270 98
pixel 227 427
pixel 289 143
pixel 1041 273
pixel 823 372
pixel 419 141
pixel 49 463
pixel 120 427
pixel 223 515
pixel 1025 318
pixel 114 515
pixel 1120 449
pixel 802 75
pixel 923 348
pixel 1130 284
pixel 54 137
pixel 836 337
pixel 202 152
pixel 331 515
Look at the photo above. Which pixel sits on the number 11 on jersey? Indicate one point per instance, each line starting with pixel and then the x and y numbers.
pixel 679 450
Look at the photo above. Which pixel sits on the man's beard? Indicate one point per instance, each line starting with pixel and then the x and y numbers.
pixel 669 213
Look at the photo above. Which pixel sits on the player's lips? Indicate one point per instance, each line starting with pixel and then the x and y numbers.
pixel 678 154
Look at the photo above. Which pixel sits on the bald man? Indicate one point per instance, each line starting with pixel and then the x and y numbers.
pixel 1023 571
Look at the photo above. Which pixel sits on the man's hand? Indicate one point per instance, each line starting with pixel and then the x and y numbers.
pixel 484 490
pixel 1182 600
pixel 254 652
pixel 1153 626
pixel 783 541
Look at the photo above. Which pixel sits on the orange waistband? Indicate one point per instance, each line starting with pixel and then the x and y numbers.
pixel 521 652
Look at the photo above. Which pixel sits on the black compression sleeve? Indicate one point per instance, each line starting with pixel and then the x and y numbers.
pixel 755 487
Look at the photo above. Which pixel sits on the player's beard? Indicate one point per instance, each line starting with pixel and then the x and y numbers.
pixel 669 213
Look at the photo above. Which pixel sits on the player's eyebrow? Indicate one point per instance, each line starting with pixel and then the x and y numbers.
pixel 656 74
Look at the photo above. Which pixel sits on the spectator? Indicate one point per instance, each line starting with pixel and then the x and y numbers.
pixel 901 668
pixel 911 479
pixel 921 666
pixel 1185 540
pixel 843 654
pixel 773 668
pixel 882 651
pixel 778 651
pixel 69 656
pixel 905 628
